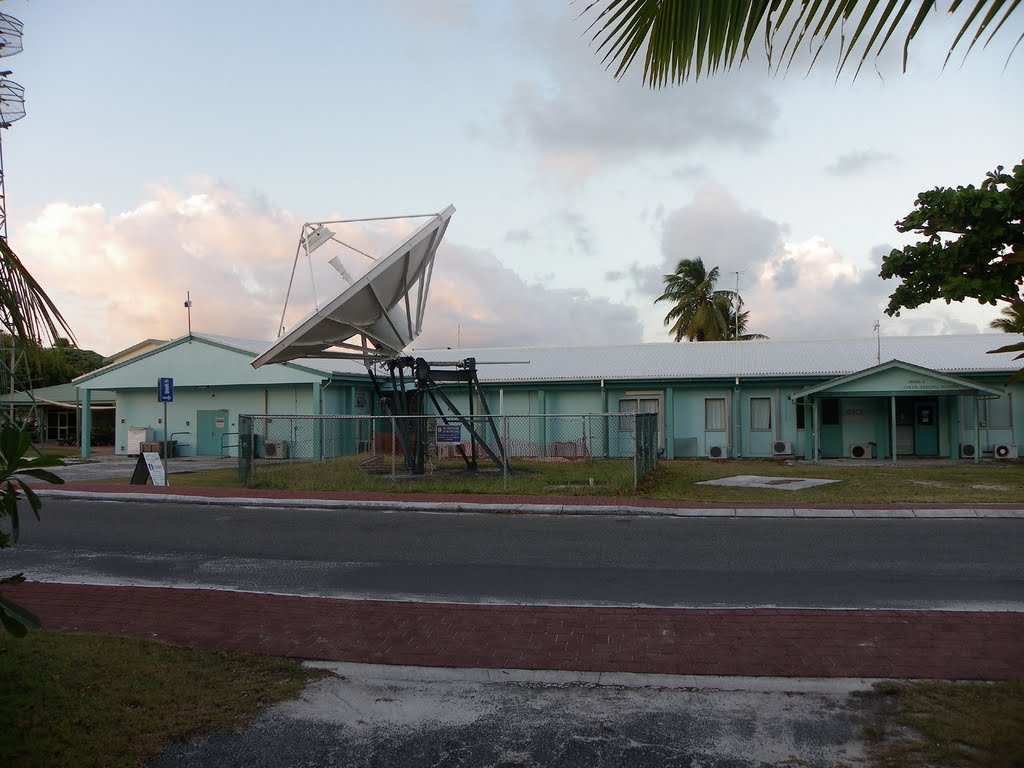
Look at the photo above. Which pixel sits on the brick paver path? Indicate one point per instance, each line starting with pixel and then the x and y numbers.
pixel 779 643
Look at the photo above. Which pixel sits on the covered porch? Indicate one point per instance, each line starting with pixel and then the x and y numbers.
pixel 899 410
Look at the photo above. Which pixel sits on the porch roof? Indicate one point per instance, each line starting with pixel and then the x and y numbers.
pixel 897 378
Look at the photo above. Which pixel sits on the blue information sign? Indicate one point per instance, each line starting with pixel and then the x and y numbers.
pixel 166 390
pixel 449 433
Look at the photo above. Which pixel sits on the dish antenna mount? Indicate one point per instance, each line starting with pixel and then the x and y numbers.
pixel 374 319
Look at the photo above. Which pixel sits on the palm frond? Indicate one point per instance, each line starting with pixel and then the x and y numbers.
pixel 688 38
pixel 26 312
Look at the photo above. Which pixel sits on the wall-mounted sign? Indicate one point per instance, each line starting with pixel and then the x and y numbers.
pixel 449 433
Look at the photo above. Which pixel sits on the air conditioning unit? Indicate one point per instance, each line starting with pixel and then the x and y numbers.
pixel 782 448
pixel 275 450
pixel 968 450
pixel 1005 451
pixel 862 451
pixel 718 451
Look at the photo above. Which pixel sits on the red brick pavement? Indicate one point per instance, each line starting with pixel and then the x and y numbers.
pixel 778 643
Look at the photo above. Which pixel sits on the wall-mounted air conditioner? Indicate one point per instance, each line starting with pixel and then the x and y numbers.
pixel 718 451
pixel 968 450
pixel 1005 451
pixel 862 451
pixel 782 448
pixel 275 450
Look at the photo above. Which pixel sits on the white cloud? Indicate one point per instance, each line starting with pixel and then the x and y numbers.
pixel 120 278
pixel 793 289
pixel 581 119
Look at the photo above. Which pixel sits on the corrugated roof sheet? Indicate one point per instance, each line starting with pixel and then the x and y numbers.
pixel 722 359
pixel 702 360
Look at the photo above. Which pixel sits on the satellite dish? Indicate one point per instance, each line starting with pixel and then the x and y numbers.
pixel 375 317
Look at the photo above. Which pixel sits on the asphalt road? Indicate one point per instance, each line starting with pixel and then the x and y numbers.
pixel 463 557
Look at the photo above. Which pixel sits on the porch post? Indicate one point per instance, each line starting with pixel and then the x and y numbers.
pixel 977 428
pixel 85 436
pixel 892 425
pixel 814 423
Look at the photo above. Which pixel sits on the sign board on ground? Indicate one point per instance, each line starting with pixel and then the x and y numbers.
pixel 449 433
pixel 149 467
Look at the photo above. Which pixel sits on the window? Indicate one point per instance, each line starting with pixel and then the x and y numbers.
pixel 627 423
pixel 714 414
pixel 799 413
pixel 996 413
pixel 760 414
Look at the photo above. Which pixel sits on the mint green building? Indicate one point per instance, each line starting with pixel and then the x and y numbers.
pixel 888 398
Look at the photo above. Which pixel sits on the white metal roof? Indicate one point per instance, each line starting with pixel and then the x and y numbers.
pixel 701 360
pixel 722 359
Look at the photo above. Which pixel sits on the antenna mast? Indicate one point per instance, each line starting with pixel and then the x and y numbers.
pixel 12 108
pixel 739 303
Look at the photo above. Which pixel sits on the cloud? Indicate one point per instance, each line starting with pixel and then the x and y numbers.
pixel 852 163
pixel 474 297
pixel 581 119
pixel 521 236
pixel 441 13
pixel 793 289
pixel 717 229
pixel 120 278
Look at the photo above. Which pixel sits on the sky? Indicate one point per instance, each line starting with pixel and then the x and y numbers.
pixel 174 148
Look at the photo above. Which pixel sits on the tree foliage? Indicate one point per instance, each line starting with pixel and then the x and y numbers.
pixel 687 38
pixel 15 443
pixel 973 248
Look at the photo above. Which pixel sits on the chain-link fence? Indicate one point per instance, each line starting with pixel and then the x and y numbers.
pixel 587 453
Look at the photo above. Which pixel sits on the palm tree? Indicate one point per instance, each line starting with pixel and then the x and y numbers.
pixel 738 324
pixel 700 312
pixel 1012 320
pixel 691 37
pixel 27 315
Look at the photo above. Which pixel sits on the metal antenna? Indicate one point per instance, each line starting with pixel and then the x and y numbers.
pixel 739 303
pixel 12 108
pixel 188 308
pixel 878 336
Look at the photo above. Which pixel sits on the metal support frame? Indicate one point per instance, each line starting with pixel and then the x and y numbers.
pixel 408 412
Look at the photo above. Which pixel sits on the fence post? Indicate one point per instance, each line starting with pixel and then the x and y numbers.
pixel 394 434
pixel 504 454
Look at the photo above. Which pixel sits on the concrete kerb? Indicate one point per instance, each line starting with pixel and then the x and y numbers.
pixel 402 673
pixel 538 508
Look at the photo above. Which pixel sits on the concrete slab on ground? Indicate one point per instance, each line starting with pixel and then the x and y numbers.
pixel 407 717
pixel 771 483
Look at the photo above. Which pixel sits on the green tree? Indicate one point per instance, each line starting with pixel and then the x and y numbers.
pixel 973 247
pixel 700 311
pixel 688 38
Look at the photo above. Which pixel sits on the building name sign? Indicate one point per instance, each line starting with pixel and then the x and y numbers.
pixel 932 384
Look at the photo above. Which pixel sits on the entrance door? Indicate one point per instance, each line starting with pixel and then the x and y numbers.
pixel 831 440
pixel 211 426
pixel 926 429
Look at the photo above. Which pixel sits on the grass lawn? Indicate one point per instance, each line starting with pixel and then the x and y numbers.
pixel 963 483
pixel 949 724
pixel 80 700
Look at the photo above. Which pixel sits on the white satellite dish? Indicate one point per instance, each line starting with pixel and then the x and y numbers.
pixel 379 314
